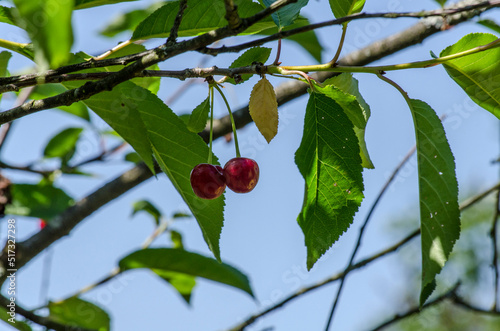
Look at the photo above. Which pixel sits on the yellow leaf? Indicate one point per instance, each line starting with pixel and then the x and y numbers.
pixel 264 109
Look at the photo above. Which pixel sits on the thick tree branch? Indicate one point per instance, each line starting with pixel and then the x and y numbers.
pixel 232 17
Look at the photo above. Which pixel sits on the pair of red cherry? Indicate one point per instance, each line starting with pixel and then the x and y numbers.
pixel 239 174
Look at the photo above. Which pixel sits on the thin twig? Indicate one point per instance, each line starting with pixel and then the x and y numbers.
pixel 172 38
pixel 494 239
pixel 363 227
pixel 417 310
pixel 283 34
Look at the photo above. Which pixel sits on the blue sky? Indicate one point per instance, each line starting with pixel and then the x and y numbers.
pixel 261 235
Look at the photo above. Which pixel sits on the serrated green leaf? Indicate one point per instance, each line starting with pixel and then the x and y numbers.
pixel 490 24
pixel 184 284
pixel 82 4
pixel 342 8
pixel 63 144
pixel 255 54
pixel 478 74
pixel 53 39
pixel 120 109
pixel 129 21
pixel 6 15
pixel 438 191
pixel 40 201
pixel 4 61
pixel 165 130
pixel 49 90
pixel 199 17
pixel 199 116
pixel 328 159
pixel 148 207
pixel 181 261
pixel 19 325
pixel 75 311
pixel 288 14
pixel 346 93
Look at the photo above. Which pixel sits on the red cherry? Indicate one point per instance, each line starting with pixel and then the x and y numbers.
pixel 208 181
pixel 242 174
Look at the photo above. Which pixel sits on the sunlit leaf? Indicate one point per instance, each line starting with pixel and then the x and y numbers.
pixel 82 4
pixel 165 130
pixel 148 207
pixel 6 15
pixel 6 315
pixel 341 8
pixel 250 56
pixel 478 74
pixel 344 90
pixel 183 283
pixel 438 190
pixel 288 14
pixel 181 261
pixel 199 17
pixel 53 39
pixel 441 2
pixel 199 117
pixel 263 108
pixel 74 311
pixel 40 201
pixel 328 159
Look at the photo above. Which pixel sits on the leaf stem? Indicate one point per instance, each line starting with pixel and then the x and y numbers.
pixel 232 120
pixel 211 95
pixel 113 50
pixel 341 44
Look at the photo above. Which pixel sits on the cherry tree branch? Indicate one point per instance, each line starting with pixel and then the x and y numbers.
pixel 172 38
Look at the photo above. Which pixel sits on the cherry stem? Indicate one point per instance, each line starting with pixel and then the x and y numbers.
pixel 341 44
pixel 211 95
pixel 232 120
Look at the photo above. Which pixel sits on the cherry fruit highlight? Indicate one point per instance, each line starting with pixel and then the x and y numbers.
pixel 208 181
pixel 242 174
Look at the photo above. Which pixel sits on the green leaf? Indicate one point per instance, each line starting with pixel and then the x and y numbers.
pixel 19 325
pixel 184 284
pixel 63 143
pixel 288 14
pixel 49 90
pixel 20 48
pixel 307 40
pixel 52 39
pixel 40 201
pixel 346 93
pixel 165 130
pixel 4 61
pixel 441 2
pixel 328 159
pixel 133 157
pixel 199 17
pixel 176 238
pixel 75 311
pixel 255 54
pixel 490 24
pixel 198 119
pixel 82 4
pixel 120 109
pixel 478 74
pixel 438 191
pixel 341 8
pixel 148 207
pixel 129 21
pixel 181 261
pixel 6 15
